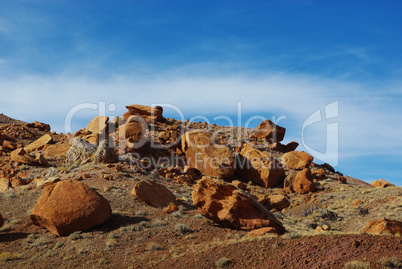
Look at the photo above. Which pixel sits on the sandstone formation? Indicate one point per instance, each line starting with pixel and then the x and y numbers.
pixel 259 167
pixel 147 112
pixel 104 154
pixel 225 204
pixel 98 124
pixel 270 131
pixel 297 159
pixel 303 182
pixel 154 194
pixel 38 144
pixel 381 183
pixel 383 226
pixel 209 158
pixel 70 206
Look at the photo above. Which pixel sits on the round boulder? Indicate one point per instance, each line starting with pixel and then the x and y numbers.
pixel 69 206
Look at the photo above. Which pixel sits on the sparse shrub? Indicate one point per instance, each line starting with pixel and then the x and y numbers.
pixel 59 245
pixel 222 262
pixel 112 236
pixel 157 223
pixel 75 235
pixel 181 229
pixel 110 243
pixel 103 261
pixel 140 213
pixel 391 262
pixel 291 235
pixel 153 246
pixel 356 265
pixel 198 216
pixel 177 214
pixel 189 237
pixel 9 256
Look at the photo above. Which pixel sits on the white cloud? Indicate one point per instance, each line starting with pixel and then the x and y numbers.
pixel 369 123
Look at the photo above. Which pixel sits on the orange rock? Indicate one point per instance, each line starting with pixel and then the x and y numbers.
pixel 319 230
pixel 291 146
pixel 208 158
pixel 58 150
pixel 147 112
pixel 270 131
pixel 303 182
pixel 277 201
pixel 288 182
pixel 20 156
pixel 223 203
pixel 342 179
pixel 383 226
pixel 297 159
pixel 39 125
pixel 70 206
pixel 318 174
pixel 154 194
pixel 9 145
pixel 259 167
pixel 38 144
pixel 171 208
pixel 356 202
pixel 381 183
pixel 263 231
pixel 183 179
pixel 4 184
pixel 98 124
pixel 238 184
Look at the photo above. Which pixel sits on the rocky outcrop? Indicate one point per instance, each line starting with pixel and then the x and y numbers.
pixel 98 124
pixel 147 112
pixel 20 156
pixel 259 167
pixel 289 180
pixel 38 144
pixel 80 152
pixel 70 206
pixel 381 183
pixel 223 203
pixel 1 220
pixel 275 201
pixel 291 146
pixel 270 131
pixel 209 158
pixel 383 226
pixel 297 160
pixel 154 194
pixel 55 151
pixel 303 182
pixel 39 125
pixel 104 154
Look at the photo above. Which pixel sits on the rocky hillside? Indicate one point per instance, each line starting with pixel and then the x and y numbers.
pixel 145 191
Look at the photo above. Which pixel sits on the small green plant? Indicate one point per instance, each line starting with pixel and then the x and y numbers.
pixel 198 216
pixel 181 229
pixel 356 265
pixel 10 256
pixel 222 262
pixel 177 214
pixel 103 261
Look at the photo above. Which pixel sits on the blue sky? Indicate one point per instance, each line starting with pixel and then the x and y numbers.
pixel 278 58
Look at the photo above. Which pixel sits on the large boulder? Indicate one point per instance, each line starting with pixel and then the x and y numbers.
pixel 154 194
pixel 303 182
pixel 38 144
pixel 98 124
pixel 381 183
pixel 69 206
pixel 383 226
pixel 297 159
pixel 223 203
pixel 147 112
pixel 80 152
pixel 209 158
pixel 104 154
pixel 259 167
pixel 270 131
